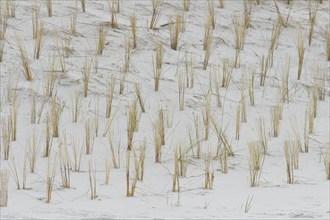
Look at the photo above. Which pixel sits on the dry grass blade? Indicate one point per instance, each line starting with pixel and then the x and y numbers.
pixel 51 78
pixel 132 124
pixel 109 98
pixel 38 41
pixel 142 158
pixel 89 136
pixel 222 3
pixel 137 90
pixel 275 115
pixel 125 68
pixel 207 33
pixel 49 5
pixel 64 161
pixel 284 89
pixel 174 31
pixel 247 12
pixel 51 172
pixel 35 18
pixel 115 161
pixel 13 120
pixel 256 162
pixel 181 86
pixel 24 60
pixel 4 16
pixel 222 139
pixel 289 161
pixel 208 174
pixel 238 122
pixel 208 50
pixel 77 148
pixel 86 71
pixel 113 11
pixel 158 64
pixel 176 182
pixel 301 51
pixel 264 67
pixel 2 49
pixel 55 115
pixel 251 86
pixel 207 116
pixel 48 137
pixel 186 5
pixel 216 83
pixel 34 147
pixel 211 13
pixel 101 39
pixel 92 180
pixel 276 31
pixel 73 24
pixel 312 11
pixel 262 135
pixel 327 41
pixel 76 106
pixel 243 102
pixel 226 73
pixel 4 180
pixel 5 138
pixel 156 9
pixel 83 5
pixel 326 161
pixel 319 82
pixel 133 30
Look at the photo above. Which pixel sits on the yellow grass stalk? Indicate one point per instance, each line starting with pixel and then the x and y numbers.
pixel 174 31
pixel 113 22
pixel 2 49
pixel 4 180
pixel 211 13
pixel 251 86
pixel 5 138
pixel 186 5
pixel 238 122
pixel 86 71
pixel 208 174
pixel 89 136
pixel 158 64
pixel 181 86
pixel 289 161
pixel 285 82
pixel 77 148
pixel 222 3
pixel 83 5
pixel 312 11
pixel 256 162
pixel 48 137
pixel 92 180
pixel 38 41
pixel 327 41
pixel 101 39
pixel 51 172
pixel 156 9
pixel 326 161
pixel 132 124
pixel 301 51
pixel 33 143
pixel 133 30
pixel 24 59
pixel 109 97
pixel 138 94
pixel 55 115
pixel 49 5
pixel 176 182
